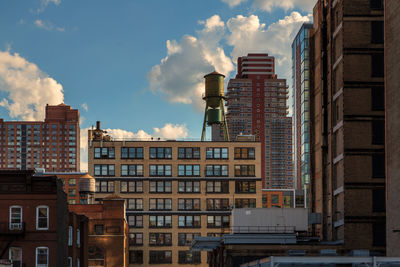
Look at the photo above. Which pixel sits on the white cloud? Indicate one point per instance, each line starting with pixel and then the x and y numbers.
pixel 269 5
pixel 247 34
pixel 28 88
pixel 48 26
pixel 179 76
pixel 45 3
pixel 84 106
pixel 233 3
pixel 169 131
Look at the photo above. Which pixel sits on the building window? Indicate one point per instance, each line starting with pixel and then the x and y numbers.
pixel 70 235
pixel 69 264
pixel 104 153
pixel 217 153
pixel 244 153
pixel 217 204
pixel 217 170
pixel 189 257
pixel 378 132
pixel 160 170
pixel 377 33
pixel 160 221
pixel 376 4
pixel 378 98
pixel 379 234
pixel 188 153
pixel 245 170
pixel 189 204
pixel 72 192
pixel 274 199
pixel 42 218
pixel 136 256
pixel 160 153
pixel 378 200
pixel 160 256
pixel 160 204
pixel 104 170
pixel 78 262
pixel 217 187
pixel 188 170
pixel 135 221
pixel 160 239
pixel 135 203
pixel 72 182
pixel 15 218
pixel 185 239
pixel 377 65
pixel 245 203
pixel 99 229
pixel 131 152
pixel 42 257
pixel 378 166
pixel 131 170
pixel 160 187
pixel 217 221
pixel 15 255
pixel 245 187
pixel 78 238
pixel 189 221
pixel 105 186
pixel 189 187
pixel 131 187
pixel 136 239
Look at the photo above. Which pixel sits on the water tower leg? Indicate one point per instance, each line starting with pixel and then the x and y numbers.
pixel 203 133
pixel 225 123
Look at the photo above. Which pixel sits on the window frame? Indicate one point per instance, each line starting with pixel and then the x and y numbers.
pixel 37 258
pixel 195 168
pixel 133 155
pixel 156 238
pixel 215 172
pixel 245 170
pixel 185 220
pixel 109 172
pixel 110 154
pixel 128 187
pixel 133 236
pixel 239 187
pixel 224 186
pixel 47 218
pixel 128 170
pixel 239 152
pixel 186 202
pixel 155 185
pixel 160 202
pixel 70 235
pixel 213 151
pixel 183 153
pixel 158 153
pixel 10 256
pixel 185 187
pixel 137 203
pixel 157 166
pixel 135 220
pixel 164 223
pixel 11 224
pixel 185 238
pixel 157 259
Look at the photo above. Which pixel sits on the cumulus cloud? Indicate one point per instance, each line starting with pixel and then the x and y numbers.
pixel 29 89
pixel 84 106
pixel 179 76
pixel 48 26
pixel 168 131
pixel 269 5
pixel 45 3
pixel 248 34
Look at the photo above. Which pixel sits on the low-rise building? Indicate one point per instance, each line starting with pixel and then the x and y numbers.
pixel 175 191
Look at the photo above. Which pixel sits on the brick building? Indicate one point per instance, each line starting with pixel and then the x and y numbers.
pixel 175 190
pixel 347 120
pixel 256 104
pixel 52 144
pixel 392 86
pixel 108 232
pixel 35 223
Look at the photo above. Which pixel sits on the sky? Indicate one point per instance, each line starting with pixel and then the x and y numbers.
pixel 135 65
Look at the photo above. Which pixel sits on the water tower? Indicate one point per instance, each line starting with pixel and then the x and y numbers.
pixel 214 113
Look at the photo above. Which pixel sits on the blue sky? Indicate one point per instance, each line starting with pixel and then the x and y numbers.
pixel 135 65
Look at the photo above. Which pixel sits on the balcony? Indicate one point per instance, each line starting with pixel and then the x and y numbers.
pixel 12 229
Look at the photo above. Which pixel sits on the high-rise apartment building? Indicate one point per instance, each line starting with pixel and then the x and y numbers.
pixel 301 107
pixel 175 191
pixel 256 103
pixel 52 144
pixel 392 86
pixel 348 123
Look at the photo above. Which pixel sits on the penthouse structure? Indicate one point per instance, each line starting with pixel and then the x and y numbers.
pixel 256 105
pixel 175 191
pixel 52 144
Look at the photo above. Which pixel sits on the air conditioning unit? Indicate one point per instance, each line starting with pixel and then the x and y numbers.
pixel 15 226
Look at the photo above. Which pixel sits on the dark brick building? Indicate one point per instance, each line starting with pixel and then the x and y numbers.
pixel 348 122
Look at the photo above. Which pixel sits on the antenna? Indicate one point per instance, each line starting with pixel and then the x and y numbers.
pixel 215 109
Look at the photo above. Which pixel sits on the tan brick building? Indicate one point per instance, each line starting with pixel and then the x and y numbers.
pixel 347 119
pixel 175 190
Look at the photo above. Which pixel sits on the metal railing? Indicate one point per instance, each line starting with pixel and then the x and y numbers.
pixel 7 228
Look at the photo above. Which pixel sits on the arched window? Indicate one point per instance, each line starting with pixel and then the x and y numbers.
pixel 42 218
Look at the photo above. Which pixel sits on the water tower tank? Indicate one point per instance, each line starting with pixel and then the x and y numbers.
pixel 87 184
pixel 214 89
